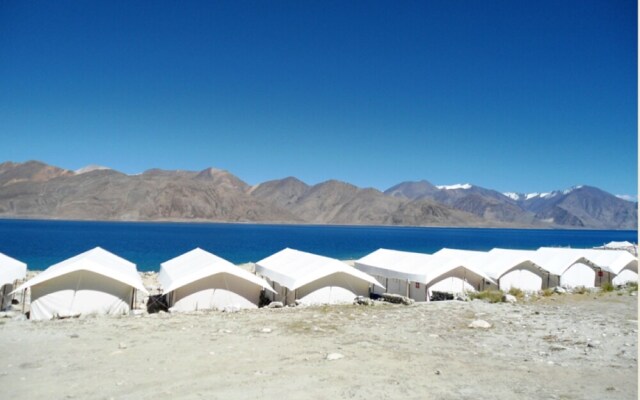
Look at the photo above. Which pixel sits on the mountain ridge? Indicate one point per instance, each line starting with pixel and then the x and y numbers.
pixel 36 190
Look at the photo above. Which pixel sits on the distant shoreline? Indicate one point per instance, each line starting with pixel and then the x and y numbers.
pixel 303 224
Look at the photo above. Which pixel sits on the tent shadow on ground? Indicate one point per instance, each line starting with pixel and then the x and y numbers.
pixel 157 303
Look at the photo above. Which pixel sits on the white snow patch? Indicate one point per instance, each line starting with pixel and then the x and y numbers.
pixel 512 196
pixel 90 168
pixel 627 197
pixel 454 187
pixel 571 189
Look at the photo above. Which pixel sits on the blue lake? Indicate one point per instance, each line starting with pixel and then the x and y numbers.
pixel 43 243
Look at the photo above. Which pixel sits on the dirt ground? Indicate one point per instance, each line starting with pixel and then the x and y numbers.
pixel 560 347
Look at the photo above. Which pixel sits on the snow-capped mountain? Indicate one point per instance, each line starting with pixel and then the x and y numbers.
pixel 534 195
pixel 577 206
pixel 90 168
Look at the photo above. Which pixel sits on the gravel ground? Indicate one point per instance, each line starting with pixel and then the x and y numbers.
pixel 559 347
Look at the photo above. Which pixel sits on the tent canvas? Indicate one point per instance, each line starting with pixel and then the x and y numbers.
pixel 516 269
pixel 621 263
pixel 199 280
pixel 572 267
pixel 313 279
pixel 418 275
pixel 95 281
pixel 457 271
pixel 11 270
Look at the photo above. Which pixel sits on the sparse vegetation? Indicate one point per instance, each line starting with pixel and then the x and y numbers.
pixel 517 293
pixel 580 290
pixel 492 296
pixel 607 287
pixel 547 292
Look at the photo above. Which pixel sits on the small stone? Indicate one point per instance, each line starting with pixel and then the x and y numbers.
pixel 265 330
pixel 594 344
pixel 122 346
pixel 557 347
pixel 480 324
pixel 363 301
pixel 437 372
pixel 559 290
pixel 275 304
pixel 508 298
pixel 334 356
pixel 74 336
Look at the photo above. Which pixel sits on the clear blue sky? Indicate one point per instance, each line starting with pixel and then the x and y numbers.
pixel 513 95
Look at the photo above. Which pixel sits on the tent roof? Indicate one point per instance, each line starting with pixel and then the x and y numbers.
pixel 558 259
pixel 198 264
pixel 613 260
pixel 293 268
pixel 96 260
pixel 396 264
pixel 415 267
pixel 447 259
pixel 500 261
pixel 11 269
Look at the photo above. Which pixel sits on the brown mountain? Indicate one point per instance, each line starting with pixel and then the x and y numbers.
pixel 153 195
pixel 30 171
pixel 37 190
pixel 338 202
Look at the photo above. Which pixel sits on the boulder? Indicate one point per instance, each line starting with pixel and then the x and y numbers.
pixel 275 304
pixel 508 298
pixel 559 290
pixel 480 324
pixel 334 356
pixel 363 301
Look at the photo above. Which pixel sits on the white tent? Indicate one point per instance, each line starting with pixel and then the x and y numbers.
pixel 313 279
pixel 516 269
pixel 618 245
pixel 460 263
pixel 11 270
pixel 94 282
pixel 418 275
pixel 621 263
pixel 199 280
pixel 573 266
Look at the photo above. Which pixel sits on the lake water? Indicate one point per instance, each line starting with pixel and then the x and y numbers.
pixel 43 243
